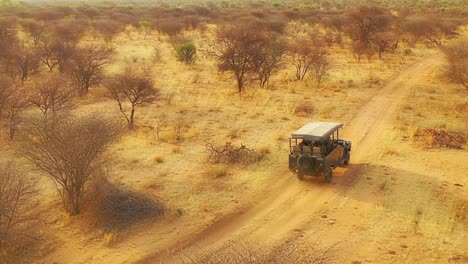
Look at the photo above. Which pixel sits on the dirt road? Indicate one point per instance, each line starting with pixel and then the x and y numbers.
pixel 292 205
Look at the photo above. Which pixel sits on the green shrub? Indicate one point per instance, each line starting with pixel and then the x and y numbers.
pixel 186 53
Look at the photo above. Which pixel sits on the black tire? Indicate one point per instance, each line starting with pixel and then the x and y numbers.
pixel 346 162
pixel 300 175
pixel 328 173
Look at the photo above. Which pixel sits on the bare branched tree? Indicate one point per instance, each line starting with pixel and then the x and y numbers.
pixel 16 194
pixel 320 64
pixel 87 66
pixel 15 104
pixel 235 49
pixel 268 59
pixel 51 94
pixel 22 63
pixel 302 55
pixel 70 153
pixel 6 90
pixel 132 88
pixel 34 29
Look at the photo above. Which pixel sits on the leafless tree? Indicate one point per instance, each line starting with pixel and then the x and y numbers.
pixel 385 41
pixel 6 91
pixel 48 51
pixel 16 194
pixel 15 105
pixel 235 50
pixel 70 153
pixel 34 29
pixel 22 63
pixel 133 88
pixel 301 55
pixel 365 21
pixel 51 94
pixel 86 67
pixel 456 54
pixel 268 59
pixel 320 67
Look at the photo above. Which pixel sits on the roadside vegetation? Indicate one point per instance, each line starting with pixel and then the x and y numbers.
pixel 133 111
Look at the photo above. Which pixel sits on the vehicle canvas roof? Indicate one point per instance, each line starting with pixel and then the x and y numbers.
pixel 316 130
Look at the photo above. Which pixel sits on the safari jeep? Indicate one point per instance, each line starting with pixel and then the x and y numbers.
pixel 316 149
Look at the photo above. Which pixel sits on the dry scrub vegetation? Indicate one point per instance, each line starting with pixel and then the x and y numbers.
pixel 109 106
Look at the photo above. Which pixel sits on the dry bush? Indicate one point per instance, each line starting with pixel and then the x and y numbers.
pixel 114 207
pixel 457 57
pixel 16 212
pixel 305 108
pixel 170 28
pixel 69 152
pixel 229 154
pixel 429 29
pixel 250 253
pixel 179 125
pixel 87 66
pixel 433 138
pixel 132 87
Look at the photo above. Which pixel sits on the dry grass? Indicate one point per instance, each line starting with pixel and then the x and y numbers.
pixel 244 252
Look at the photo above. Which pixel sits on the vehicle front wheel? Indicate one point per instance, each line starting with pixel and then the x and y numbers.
pixel 328 173
pixel 300 175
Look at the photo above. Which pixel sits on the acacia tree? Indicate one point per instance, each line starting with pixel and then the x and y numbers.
pixel 268 60
pixel 51 94
pixel 301 56
pixel 320 66
pixel 70 153
pixel 384 41
pixel 457 57
pixel 132 88
pixel 236 47
pixel 364 23
pixel 34 29
pixel 87 64
pixel 22 63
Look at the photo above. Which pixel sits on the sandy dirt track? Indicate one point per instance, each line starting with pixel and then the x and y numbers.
pixel 291 205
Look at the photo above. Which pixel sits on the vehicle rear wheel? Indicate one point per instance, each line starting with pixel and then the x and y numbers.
pixel 346 162
pixel 300 175
pixel 328 173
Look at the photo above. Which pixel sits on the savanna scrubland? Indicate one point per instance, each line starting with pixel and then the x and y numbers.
pixel 136 132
